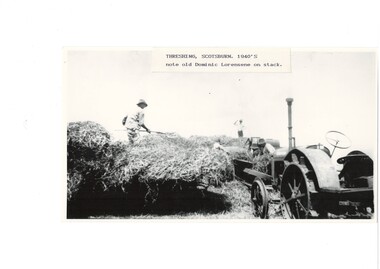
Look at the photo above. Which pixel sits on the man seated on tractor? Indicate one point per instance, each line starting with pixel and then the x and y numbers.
pixel 264 148
pixel 259 146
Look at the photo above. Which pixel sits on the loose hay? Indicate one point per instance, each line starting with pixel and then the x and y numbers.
pixel 87 144
pixel 223 140
pixel 98 165
pixel 260 163
pixel 156 160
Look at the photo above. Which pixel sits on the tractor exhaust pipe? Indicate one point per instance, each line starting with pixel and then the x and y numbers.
pixel 290 101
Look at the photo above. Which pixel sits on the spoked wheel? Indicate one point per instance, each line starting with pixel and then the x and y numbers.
pixel 295 196
pixel 259 198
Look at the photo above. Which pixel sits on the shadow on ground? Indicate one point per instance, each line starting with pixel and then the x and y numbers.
pixel 169 201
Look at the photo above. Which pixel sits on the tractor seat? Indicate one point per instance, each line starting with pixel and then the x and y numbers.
pixel 357 170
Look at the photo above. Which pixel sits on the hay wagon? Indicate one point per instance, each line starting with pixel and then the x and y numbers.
pixel 302 182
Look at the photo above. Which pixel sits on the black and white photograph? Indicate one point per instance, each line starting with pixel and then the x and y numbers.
pixel 205 143
pixel 200 134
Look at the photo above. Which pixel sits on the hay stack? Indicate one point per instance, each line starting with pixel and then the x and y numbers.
pixel 96 164
pixel 208 141
pixel 156 160
pixel 87 147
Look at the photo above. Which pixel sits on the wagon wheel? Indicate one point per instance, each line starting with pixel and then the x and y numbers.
pixel 295 196
pixel 259 199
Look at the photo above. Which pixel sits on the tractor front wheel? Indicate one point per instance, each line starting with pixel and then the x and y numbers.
pixel 259 199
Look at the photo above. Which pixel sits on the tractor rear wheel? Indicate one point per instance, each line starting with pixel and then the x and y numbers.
pixel 259 199
pixel 295 195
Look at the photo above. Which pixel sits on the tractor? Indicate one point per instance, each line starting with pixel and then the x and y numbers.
pixel 302 182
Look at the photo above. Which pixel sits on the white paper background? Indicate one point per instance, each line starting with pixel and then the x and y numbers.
pixel 33 233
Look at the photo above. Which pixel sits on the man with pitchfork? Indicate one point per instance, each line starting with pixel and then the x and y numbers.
pixel 135 121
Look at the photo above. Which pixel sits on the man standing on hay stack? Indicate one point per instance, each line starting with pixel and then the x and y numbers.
pixel 240 127
pixel 135 121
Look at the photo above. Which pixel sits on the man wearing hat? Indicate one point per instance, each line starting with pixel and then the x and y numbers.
pixel 259 146
pixel 135 121
pixel 264 147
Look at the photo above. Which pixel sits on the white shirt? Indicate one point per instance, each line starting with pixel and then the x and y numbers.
pixel 269 148
pixel 136 119
pixel 239 125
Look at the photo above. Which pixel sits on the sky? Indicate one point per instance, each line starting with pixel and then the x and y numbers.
pixel 332 90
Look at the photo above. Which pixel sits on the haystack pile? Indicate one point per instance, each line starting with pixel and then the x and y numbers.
pixel 208 141
pixel 87 147
pixel 98 165
pixel 158 158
